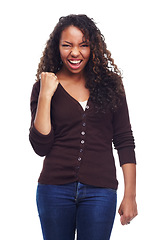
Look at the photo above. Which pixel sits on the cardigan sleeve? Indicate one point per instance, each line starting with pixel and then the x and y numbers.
pixel 123 139
pixel 41 143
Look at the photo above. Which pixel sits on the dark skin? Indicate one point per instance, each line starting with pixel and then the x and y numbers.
pixel 75 53
pixel 128 206
pixel 73 49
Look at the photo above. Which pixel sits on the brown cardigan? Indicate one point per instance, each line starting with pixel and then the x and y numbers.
pixel 79 146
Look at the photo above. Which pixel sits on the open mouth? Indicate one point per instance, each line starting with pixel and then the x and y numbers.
pixel 75 64
pixel 75 61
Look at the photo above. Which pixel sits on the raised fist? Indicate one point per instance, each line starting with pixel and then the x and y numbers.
pixel 49 84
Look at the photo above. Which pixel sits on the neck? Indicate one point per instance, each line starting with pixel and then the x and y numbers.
pixel 63 74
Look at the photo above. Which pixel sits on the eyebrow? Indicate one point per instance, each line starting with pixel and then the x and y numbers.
pixel 80 43
pixel 67 42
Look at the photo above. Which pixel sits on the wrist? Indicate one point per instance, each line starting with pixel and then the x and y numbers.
pixel 44 96
pixel 130 194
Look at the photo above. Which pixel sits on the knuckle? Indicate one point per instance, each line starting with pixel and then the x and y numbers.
pixel 129 216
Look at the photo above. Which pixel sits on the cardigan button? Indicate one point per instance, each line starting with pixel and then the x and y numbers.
pixel 83 124
pixel 79 159
pixel 82 141
pixel 87 107
pixel 83 133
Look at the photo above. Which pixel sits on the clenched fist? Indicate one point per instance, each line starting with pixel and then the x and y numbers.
pixel 49 84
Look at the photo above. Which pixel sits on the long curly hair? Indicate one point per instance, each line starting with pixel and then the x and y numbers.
pixel 103 78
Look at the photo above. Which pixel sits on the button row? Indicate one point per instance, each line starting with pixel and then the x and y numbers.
pixel 82 141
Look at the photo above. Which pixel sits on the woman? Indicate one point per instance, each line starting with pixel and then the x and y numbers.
pixel 79 108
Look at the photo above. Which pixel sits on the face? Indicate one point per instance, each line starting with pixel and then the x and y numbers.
pixel 74 50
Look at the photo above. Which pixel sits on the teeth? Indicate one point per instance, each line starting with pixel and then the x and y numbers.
pixel 75 62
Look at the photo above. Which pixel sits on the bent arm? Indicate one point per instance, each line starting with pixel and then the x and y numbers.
pixel 42 120
pixel 49 83
pixel 41 134
pixel 41 131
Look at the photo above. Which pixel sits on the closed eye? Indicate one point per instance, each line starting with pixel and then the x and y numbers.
pixel 65 45
pixel 85 45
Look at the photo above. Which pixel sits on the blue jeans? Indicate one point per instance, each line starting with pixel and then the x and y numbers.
pixel 65 208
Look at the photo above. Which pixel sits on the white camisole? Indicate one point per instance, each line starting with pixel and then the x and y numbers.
pixel 83 104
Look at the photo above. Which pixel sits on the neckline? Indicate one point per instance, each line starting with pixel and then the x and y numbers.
pixel 72 98
pixel 83 101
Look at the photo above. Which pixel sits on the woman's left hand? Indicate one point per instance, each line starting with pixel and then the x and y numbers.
pixel 128 210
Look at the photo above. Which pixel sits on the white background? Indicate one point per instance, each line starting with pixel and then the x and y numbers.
pixel 131 30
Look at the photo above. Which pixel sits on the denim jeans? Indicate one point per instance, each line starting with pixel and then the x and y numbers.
pixel 65 208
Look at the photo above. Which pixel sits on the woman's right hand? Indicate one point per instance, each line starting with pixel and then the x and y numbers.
pixel 49 84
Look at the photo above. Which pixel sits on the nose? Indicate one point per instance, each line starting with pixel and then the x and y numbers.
pixel 75 52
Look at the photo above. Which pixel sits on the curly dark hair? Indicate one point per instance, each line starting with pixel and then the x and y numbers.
pixel 103 78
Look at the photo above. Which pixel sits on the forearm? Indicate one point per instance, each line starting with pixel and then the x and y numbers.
pixel 42 120
pixel 129 172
